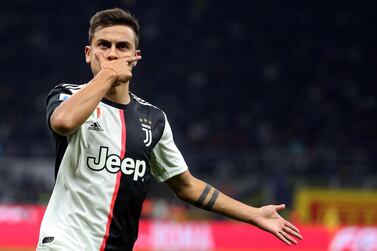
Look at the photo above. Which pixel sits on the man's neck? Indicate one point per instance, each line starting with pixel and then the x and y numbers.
pixel 119 94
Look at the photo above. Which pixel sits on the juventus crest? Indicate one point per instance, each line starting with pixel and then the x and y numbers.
pixel 146 127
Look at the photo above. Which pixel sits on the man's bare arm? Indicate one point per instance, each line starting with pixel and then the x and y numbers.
pixel 73 112
pixel 198 193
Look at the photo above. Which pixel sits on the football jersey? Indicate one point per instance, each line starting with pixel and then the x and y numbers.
pixel 103 171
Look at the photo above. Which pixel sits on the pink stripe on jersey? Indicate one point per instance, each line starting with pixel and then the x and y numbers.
pixel 98 112
pixel 117 183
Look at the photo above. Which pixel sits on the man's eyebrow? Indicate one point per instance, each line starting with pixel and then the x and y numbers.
pixel 123 43
pixel 99 41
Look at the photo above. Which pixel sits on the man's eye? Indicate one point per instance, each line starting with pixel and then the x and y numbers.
pixel 122 46
pixel 103 46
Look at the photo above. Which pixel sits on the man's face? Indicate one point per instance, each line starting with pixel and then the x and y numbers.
pixel 114 42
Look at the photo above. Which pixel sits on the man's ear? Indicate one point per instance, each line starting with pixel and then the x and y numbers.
pixel 137 53
pixel 87 54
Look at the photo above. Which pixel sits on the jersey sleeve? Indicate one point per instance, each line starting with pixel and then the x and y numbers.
pixel 166 160
pixel 55 98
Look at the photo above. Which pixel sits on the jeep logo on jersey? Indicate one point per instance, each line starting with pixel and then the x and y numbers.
pixel 113 164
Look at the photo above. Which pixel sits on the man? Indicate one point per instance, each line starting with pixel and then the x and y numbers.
pixel 109 142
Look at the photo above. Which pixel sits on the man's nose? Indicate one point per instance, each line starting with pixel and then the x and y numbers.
pixel 112 54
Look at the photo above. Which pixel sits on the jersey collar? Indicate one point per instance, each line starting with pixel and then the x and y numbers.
pixel 118 105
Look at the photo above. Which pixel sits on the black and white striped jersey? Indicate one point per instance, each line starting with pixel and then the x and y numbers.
pixel 103 171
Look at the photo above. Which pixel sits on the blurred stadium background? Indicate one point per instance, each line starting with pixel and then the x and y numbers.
pixel 270 101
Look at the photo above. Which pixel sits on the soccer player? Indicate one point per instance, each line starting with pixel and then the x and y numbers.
pixel 109 143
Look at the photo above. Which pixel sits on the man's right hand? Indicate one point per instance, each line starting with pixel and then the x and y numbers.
pixel 121 68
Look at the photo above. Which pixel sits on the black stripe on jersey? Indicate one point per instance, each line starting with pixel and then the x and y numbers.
pixel 124 227
pixel 61 143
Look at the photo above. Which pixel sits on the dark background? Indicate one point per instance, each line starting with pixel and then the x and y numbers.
pixel 263 96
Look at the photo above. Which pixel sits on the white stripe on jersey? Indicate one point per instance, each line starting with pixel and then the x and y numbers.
pixel 73 87
pixel 166 160
pixel 73 206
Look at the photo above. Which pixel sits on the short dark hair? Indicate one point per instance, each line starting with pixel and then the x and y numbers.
pixel 111 17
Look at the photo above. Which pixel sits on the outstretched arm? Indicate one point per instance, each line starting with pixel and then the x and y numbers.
pixel 196 192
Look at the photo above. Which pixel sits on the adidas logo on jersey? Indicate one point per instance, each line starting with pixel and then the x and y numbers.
pixel 95 127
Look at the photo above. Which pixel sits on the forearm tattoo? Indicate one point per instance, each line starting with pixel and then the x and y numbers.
pixel 212 201
pixel 200 202
pixel 203 196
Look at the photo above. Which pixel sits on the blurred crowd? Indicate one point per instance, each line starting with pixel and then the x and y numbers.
pixel 262 96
